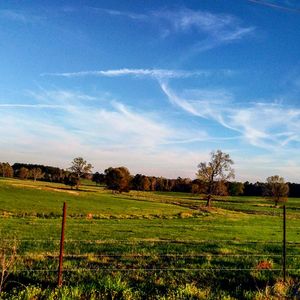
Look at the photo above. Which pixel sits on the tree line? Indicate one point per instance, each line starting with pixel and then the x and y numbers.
pixel 121 180
pixel 214 178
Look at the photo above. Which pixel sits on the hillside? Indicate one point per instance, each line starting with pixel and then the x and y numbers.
pixel 130 245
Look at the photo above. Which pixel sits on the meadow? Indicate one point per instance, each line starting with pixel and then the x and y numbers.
pixel 144 245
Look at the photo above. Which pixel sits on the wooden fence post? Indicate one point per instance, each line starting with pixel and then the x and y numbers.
pixel 61 252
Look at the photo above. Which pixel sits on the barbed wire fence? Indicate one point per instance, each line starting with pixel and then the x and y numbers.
pixel 61 256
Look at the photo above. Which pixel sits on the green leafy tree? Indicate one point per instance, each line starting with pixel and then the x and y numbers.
pixel 80 168
pixel 215 173
pixel 98 178
pixel 71 180
pixel 277 189
pixel 136 182
pixel 236 188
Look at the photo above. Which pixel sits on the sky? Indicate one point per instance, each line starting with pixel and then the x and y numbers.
pixel 152 85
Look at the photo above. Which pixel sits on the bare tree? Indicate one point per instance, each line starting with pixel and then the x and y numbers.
pixel 215 173
pixel 36 173
pixel 277 189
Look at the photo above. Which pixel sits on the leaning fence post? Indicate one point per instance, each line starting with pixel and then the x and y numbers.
pixel 61 252
pixel 284 245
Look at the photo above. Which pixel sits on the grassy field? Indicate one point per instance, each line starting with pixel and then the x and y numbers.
pixel 144 245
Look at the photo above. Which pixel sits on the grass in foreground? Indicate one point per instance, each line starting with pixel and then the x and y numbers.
pixel 144 245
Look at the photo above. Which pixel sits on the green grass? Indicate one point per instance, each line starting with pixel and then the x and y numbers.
pixel 117 244
pixel 29 198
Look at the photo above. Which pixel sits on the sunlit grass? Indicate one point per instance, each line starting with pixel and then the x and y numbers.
pixel 136 244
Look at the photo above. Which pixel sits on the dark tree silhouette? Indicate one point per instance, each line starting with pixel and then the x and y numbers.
pixel 118 179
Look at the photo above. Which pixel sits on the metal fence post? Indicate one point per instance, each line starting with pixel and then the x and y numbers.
pixel 61 252
pixel 284 245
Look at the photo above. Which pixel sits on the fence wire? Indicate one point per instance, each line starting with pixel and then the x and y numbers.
pixel 155 269
pixel 137 241
pixel 128 241
pixel 175 255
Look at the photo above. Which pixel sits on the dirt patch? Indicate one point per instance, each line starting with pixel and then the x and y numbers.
pixel 62 191
pixel 45 188
pixel 24 185
pixel 264 205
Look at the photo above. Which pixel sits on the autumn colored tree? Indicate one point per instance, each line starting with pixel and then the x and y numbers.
pixel 118 179
pixel 152 183
pixel 197 187
pixel 146 183
pixel 276 189
pixel 159 186
pixel 215 173
pixel 23 173
pixel 141 183
pixel 6 170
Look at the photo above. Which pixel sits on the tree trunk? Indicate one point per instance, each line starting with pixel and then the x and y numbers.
pixel 208 203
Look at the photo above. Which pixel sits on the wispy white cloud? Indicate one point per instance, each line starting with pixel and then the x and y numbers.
pixel 62 96
pixel 212 29
pixel 220 26
pixel 37 106
pixel 113 12
pixel 110 117
pixel 108 132
pixel 288 5
pixel 154 73
pixel 266 125
pixel 204 103
pixel 113 121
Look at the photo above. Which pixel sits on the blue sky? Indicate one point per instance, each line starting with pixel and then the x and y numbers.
pixel 152 85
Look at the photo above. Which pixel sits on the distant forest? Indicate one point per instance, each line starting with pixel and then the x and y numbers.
pixel 133 182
